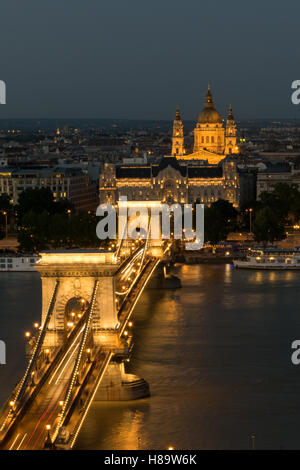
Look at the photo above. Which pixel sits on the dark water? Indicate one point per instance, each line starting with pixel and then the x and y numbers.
pixel 216 354
pixel 20 307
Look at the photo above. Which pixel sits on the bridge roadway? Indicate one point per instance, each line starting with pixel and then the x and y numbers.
pixel 30 433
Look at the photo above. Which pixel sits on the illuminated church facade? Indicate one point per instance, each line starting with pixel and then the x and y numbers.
pixel 186 178
pixel 212 140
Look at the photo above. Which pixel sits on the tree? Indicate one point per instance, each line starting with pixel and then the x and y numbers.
pixel 33 235
pixel 5 204
pixel 281 199
pixel 268 226
pixel 45 231
pixel 219 220
pixel 5 212
pixel 295 208
pixel 35 200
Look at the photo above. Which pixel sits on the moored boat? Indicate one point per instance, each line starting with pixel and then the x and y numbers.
pixel 17 262
pixel 272 258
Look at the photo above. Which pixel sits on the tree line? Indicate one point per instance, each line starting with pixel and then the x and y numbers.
pixel 270 216
pixel 43 223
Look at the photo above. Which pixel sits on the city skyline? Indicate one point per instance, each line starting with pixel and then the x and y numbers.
pixel 149 228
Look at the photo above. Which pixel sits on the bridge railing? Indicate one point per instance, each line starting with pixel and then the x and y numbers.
pixel 75 417
pixel 11 416
pixel 76 367
pixel 37 347
pixel 135 293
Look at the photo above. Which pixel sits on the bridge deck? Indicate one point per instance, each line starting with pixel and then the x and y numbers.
pixel 30 433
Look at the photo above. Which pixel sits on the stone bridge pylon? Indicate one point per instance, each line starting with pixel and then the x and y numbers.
pixel 68 282
pixel 77 272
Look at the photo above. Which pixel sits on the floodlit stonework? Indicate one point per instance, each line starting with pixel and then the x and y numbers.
pixel 77 272
pixel 212 141
pixel 207 174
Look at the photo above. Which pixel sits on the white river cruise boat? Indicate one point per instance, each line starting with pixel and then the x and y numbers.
pixel 17 263
pixel 270 259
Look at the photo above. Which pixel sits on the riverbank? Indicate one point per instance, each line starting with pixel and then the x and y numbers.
pixel 204 258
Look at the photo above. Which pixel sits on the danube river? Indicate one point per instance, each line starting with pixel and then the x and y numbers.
pixel 216 353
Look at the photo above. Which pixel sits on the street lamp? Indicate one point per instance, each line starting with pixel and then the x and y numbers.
pixel 47 351
pixel 32 379
pixel 89 355
pixel 48 441
pixel 250 210
pixel 5 214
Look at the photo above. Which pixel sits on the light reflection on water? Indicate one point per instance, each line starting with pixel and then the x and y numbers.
pixel 216 354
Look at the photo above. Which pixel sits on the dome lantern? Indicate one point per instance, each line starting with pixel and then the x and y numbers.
pixel 209 115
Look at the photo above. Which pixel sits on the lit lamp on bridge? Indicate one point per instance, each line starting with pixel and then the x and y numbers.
pixel 47 352
pixel 89 355
pixel 61 404
pixel 48 442
pixel 27 334
pixel 77 383
pixel 36 325
pixel 32 379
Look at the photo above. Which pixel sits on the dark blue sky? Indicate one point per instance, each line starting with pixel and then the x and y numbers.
pixel 139 59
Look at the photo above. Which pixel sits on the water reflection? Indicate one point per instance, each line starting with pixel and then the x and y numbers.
pixel 216 354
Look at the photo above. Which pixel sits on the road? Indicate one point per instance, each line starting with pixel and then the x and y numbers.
pixel 31 432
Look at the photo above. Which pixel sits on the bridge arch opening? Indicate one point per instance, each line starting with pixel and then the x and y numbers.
pixel 75 309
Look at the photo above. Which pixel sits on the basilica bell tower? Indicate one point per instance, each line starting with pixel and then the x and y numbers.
pixel 230 134
pixel 177 138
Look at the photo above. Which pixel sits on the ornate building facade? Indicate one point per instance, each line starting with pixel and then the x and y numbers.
pixel 181 177
pixel 173 181
pixel 212 141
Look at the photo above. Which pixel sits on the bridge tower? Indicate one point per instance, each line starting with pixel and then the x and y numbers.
pixel 76 272
pixel 72 276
